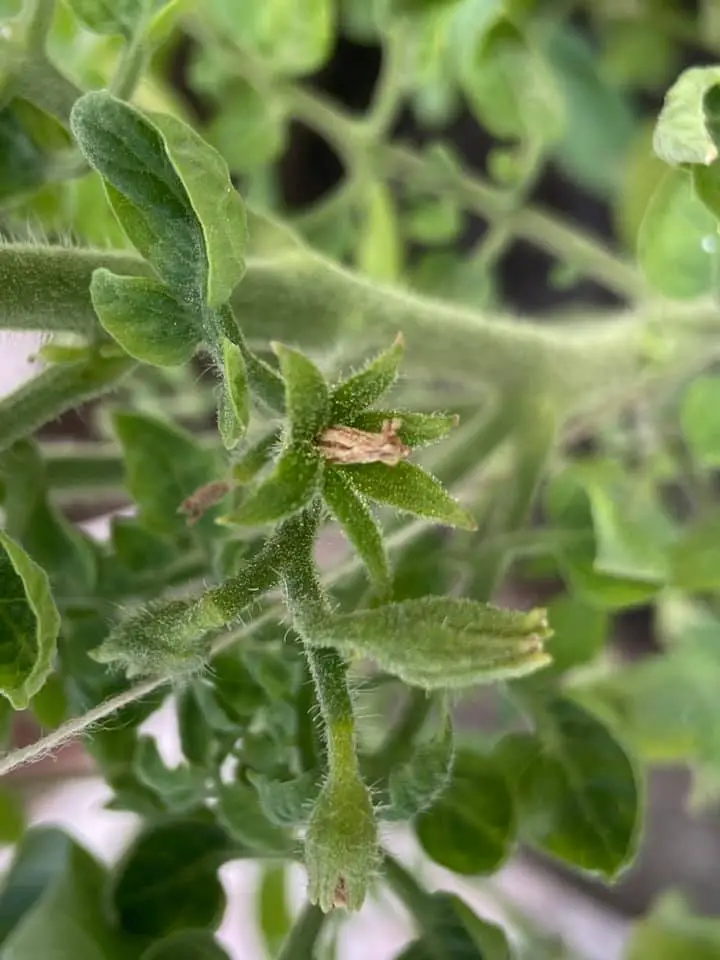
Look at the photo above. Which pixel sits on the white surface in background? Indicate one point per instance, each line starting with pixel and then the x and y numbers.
pixel 15 364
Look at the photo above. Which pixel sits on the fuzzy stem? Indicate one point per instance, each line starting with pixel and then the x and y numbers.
pixel 310 610
pixel 130 68
pixel 398 745
pixel 302 939
pixel 577 362
pixel 38 19
pixel 55 390
pixel 406 888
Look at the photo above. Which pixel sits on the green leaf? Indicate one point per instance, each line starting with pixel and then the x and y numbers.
pixel 577 792
pixel 240 813
pixel 238 693
pixel 306 395
pixel 580 633
pixel 180 788
pixel 52 541
pixel 408 488
pixel 706 183
pixel 568 506
pixel 12 817
pixel 196 735
pixel 471 827
pixel 234 414
pixel 437 642
pixel 112 16
pixel 415 430
pixel 295 37
pixel 164 465
pixel 256 456
pixel 672 932
pixel 452 931
pixel 695 557
pixel 29 625
pixel 287 803
pixel 49 706
pixel 23 162
pixel 249 130
pixel 700 419
pixel 598 121
pixel 434 220
pixel 681 132
pixel 217 205
pixel 167 881
pixel 186 945
pixel 359 525
pixel 633 533
pixel 171 193
pixel 380 249
pixel 673 247
pixel 137 548
pixel 359 391
pixel 509 87
pixel 69 921
pixel 415 786
pixel 665 706
pixel 146 320
pixel 41 856
pixel 292 484
pixel 273 911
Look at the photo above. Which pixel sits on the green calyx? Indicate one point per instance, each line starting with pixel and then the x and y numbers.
pixel 341 844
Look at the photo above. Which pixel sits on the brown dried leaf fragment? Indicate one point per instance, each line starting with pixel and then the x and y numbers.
pixel 198 503
pixel 348 445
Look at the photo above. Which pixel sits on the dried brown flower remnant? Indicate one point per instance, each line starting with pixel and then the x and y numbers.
pixel 196 505
pixel 348 445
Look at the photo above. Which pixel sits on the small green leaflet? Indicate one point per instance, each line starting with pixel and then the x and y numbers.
pixel 171 193
pixel 291 486
pixel 234 409
pixel 306 394
pixel 408 488
pixel 122 17
pixel 29 625
pixel 363 388
pixel 144 317
pixel 359 525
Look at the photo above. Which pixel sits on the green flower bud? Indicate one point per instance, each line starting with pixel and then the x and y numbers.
pixel 444 642
pixel 164 637
pixel 341 844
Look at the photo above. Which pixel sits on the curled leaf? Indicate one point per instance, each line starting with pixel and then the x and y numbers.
pixel 29 624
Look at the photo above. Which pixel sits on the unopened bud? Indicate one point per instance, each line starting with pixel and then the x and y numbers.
pixel 164 637
pixel 341 845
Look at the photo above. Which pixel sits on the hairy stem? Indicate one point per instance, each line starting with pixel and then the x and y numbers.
pixel 38 19
pixel 576 361
pixel 398 744
pixel 55 390
pixel 302 939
